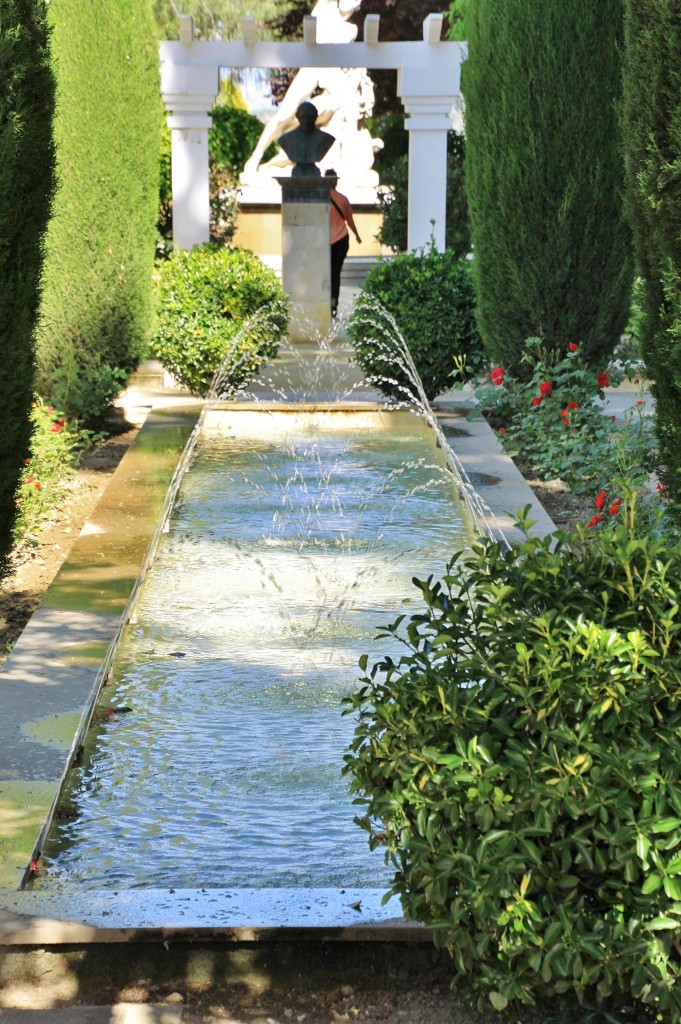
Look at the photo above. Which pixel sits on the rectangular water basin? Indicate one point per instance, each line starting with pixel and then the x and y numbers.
pixel 294 535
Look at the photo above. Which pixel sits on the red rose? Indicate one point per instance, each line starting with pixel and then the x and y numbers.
pixel 572 405
pixel 545 388
pixel 497 375
pixel 501 430
pixel 537 400
pixel 602 380
pixel 573 347
pixel 600 500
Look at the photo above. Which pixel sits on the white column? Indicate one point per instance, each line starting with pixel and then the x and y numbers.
pixel 188 94
pixel 428 97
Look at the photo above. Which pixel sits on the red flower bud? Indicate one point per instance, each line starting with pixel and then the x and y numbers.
pixel 545 388
pixel 602 380
pixel 497 375
pixel 592 522
pixel 501 430
pixel 572 405
pixel 600 500
pixel 640 402
pixel 537 400
pixel 573 347
pixel 615 507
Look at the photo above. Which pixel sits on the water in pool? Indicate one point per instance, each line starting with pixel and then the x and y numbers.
pixel 289 543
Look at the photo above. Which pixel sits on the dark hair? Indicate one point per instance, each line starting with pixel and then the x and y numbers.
pixel 330 173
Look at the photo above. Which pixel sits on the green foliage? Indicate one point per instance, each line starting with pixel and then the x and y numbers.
pixel 26 187
pixel 88 398
pixel 545 175
pixel 212 302
pixel 219 19
pixel 393 196
pixel 97 297
pixel 521 763
pixel 430 296
pixel 555 423
pixel 233 137
pixel 652 131
pixel 459 12
pixel 54 449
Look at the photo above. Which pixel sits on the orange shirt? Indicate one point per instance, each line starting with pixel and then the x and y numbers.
pixel 339 228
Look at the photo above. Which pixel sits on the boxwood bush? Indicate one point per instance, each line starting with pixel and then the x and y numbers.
pixel 521 763
pixel 430 296
pixel 211 301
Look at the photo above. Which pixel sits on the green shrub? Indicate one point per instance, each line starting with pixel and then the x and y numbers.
pixel 26 187
pixel 53 454
pixel 430 296
pixel 652 132
pixel 97 297
pixel 211 301
pixel 554 421
pixel 233 137
pixel 521 764
pixel 545 174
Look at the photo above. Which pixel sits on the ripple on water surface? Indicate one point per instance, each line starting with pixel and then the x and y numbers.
pixel 281 560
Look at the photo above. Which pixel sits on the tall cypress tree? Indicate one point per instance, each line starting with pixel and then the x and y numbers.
pixel 97 301
pixel 652 133
pixel 545 174
pixel 26 187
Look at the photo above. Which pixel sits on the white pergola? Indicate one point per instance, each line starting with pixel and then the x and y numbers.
pixel 429 73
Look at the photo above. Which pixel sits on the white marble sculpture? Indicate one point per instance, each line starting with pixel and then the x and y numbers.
pixel 343 97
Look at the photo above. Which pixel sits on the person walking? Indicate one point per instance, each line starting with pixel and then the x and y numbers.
pixel 341 219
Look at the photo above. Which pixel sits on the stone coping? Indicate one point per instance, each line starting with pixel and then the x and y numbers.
pixel 234 915
pixel 50 682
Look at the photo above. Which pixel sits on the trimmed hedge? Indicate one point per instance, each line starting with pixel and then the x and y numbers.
pixel 211 301
pixel 545 175
pixel 430 296
pixel 652 132
pixel 97 301
pixel 26 188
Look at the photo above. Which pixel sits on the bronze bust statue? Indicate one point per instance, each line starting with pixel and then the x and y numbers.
pixel 307 144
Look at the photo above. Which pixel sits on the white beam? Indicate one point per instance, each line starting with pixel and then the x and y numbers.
pixel 309 30
pixel 371 25
pixel 186 29
pixel 432 29
pixel 248 30
pixel 275 54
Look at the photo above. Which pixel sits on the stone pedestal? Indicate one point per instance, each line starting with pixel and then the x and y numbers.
pixel 306 254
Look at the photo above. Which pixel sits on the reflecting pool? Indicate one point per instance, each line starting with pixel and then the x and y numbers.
pixel 294 535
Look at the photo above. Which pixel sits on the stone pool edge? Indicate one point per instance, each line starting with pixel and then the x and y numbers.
pixel 62 647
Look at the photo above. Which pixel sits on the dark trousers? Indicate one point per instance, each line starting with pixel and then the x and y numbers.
pixel 339 251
